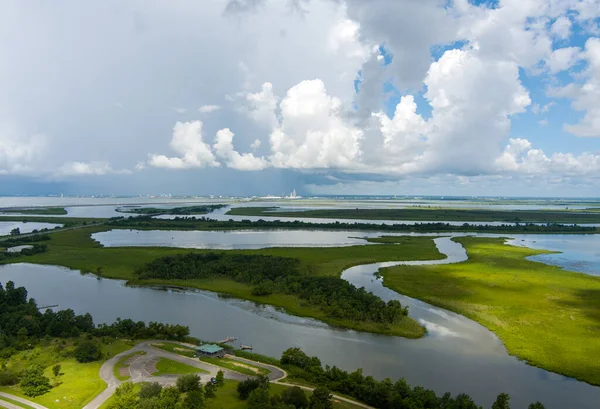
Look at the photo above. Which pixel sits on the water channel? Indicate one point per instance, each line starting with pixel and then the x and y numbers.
pixel 458 355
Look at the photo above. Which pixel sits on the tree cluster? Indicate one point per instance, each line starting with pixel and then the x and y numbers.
pixel 22 326
pixel 35 249
pixel 379 394
pixel 281 275
pixel 188 393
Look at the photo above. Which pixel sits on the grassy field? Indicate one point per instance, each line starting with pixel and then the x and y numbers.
pixel 58 211
pixel 543 314
pixel 75 249
pixel 168 367
pixel 241 367
pixel 122 364
pixel 78 385
pixel 430 214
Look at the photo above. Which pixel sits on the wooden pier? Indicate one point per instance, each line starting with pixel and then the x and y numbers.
pixel 226 340
pixel 246 347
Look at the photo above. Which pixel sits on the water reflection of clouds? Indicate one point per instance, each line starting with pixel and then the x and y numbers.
pixel 439 330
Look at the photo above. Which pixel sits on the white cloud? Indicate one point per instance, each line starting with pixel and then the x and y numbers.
pixel 519 156
pixel 541 109
pixel 224 149
pixel 261 106
pixel 179 110
pixel 256 144
pixel 207 109
pixel 561 28
pixel 20 155
pixel 89 168
pixel 586 96
pixel 563 59
pixel 188 142
pixel 313 132
pixel 543 122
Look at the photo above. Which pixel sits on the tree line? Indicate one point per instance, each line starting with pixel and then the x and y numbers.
pixel 279 275
pixel 205 223
pixel 379 394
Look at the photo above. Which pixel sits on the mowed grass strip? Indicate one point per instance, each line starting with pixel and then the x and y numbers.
pixel 14 402
pixel 75 249
pixel 241 367
pixel 545 315
pixel 166 366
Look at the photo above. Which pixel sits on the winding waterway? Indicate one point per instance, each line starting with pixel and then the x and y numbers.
pixel 458 355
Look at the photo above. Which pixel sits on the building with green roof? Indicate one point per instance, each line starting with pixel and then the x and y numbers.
pixel 210 350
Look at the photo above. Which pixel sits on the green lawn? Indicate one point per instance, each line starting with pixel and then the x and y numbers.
pixel 78 385
pixel 75 249
pixel 543 314
pixel 241 367
pixel 168 367
pixel 122 364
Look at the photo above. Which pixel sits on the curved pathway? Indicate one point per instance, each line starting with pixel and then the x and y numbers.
pixel 18 399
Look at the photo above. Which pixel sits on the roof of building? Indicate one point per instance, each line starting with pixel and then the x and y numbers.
pixel 209 348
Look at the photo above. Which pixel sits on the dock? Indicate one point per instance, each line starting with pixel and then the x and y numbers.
pixel 226 340
pixel 47 307
pixel 246 347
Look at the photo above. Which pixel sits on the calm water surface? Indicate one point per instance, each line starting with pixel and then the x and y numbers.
pixel 6 227
pixel 579 252
pixel 458 355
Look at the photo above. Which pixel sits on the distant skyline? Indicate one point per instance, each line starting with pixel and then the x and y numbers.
pixel 328 97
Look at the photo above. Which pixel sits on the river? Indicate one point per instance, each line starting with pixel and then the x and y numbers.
pixel 458 355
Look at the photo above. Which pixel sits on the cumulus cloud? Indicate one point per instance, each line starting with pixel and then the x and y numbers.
pixel 188 142
pixel 519 156
pixel 312 132
pixel 561 27
pixel 586 97
pixel 224 149
pixel 563 59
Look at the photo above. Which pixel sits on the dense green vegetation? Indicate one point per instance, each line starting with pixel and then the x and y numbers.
pixel 543 314
pixel 268 275
pixel 58 211
pixel 202 223
pixel 200 209
pixel 430 214
pixel 75 249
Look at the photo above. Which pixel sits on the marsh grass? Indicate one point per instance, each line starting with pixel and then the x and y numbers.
pixel 545 315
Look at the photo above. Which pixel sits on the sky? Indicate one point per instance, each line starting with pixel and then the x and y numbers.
pixel 256 97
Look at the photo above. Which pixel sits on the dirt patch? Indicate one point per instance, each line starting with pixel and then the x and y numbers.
pixel 253 369
pixel 124 371
pixel 183 349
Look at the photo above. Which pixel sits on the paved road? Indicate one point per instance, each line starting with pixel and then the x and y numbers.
pixel 139 372
pixel 21 400
pixel 140 368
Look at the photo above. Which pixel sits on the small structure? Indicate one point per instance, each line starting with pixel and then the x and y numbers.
pixel 210 350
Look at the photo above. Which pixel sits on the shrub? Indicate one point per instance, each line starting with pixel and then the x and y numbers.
pixel 87 351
